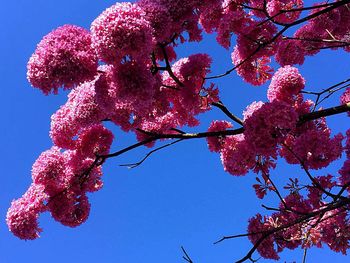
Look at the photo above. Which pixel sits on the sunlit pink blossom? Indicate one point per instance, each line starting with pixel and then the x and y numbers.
pixel 215 143
pixel 22 216
pixel 285 84
pixel 122 30
pixel 64 57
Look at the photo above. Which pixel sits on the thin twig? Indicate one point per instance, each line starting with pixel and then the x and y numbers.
pixel 304 255
pixel 133 165
pixel 186 256
pixel 313 180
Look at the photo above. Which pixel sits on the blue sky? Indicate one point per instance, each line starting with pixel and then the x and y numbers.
pixel 179 197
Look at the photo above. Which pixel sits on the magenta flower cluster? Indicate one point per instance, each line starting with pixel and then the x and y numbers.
pixel 61 180
pixel 120 72
pixel 63 58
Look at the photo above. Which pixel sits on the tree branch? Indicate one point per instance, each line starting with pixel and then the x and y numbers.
pixel 223 108
pixel 330 207
pixel 186 256
pixel 133 165
pixel 279 33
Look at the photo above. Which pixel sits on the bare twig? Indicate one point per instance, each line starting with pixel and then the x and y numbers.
pixel 186 256
pixel 304 255
pixel 133 165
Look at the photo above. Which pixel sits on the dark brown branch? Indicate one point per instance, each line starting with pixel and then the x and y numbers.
pixel 154 136
pixel 229 114
pixel 330 93
pixel 271 208
pixel 324 113
pixel 168 67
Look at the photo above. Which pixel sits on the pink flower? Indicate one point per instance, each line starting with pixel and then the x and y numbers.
pixel 49 170
pixel 82 173
pixel 210 17
pixel 290 52
pixel 237 156
pixel 64 57
pixel 274 8
pixel 268 125
pixel 94 140
pixel 69 209
pixel 22 216
pixel 159 19
pixel 170 52
pixel 309 39
pixel 80 111
pixel 251 108
pixel 345 98
pixel 232 22
pixel 345 174
pixel 255 228
pixel 122 30
pixel 187 100
pixel 132 86
pixel 255 39
pixel 313 147
pixel 315 195
pixel 254 71
pixel 335 230
pixel 215 143
pixel 286 83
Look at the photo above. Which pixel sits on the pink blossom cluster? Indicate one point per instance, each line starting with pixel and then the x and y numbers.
pixel 22 216
pixel 215 142
pixel 185 100
pixel 135 30
pixel 80 111
pixel 64 57
pixel 257 37
pixel 120 71
pixel 272 130
pixel 345 169
pixel 285 84
pixel 61 180
pixel 311 143
pixel 278 10
pixel 121 30
pixel 266 125
pixel 129 41
pixel 286 229
pixel 345 97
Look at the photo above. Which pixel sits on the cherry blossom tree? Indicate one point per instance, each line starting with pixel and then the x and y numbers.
pixel 125 71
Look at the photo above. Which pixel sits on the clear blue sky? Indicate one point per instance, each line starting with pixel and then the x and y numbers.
pixel 179 197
